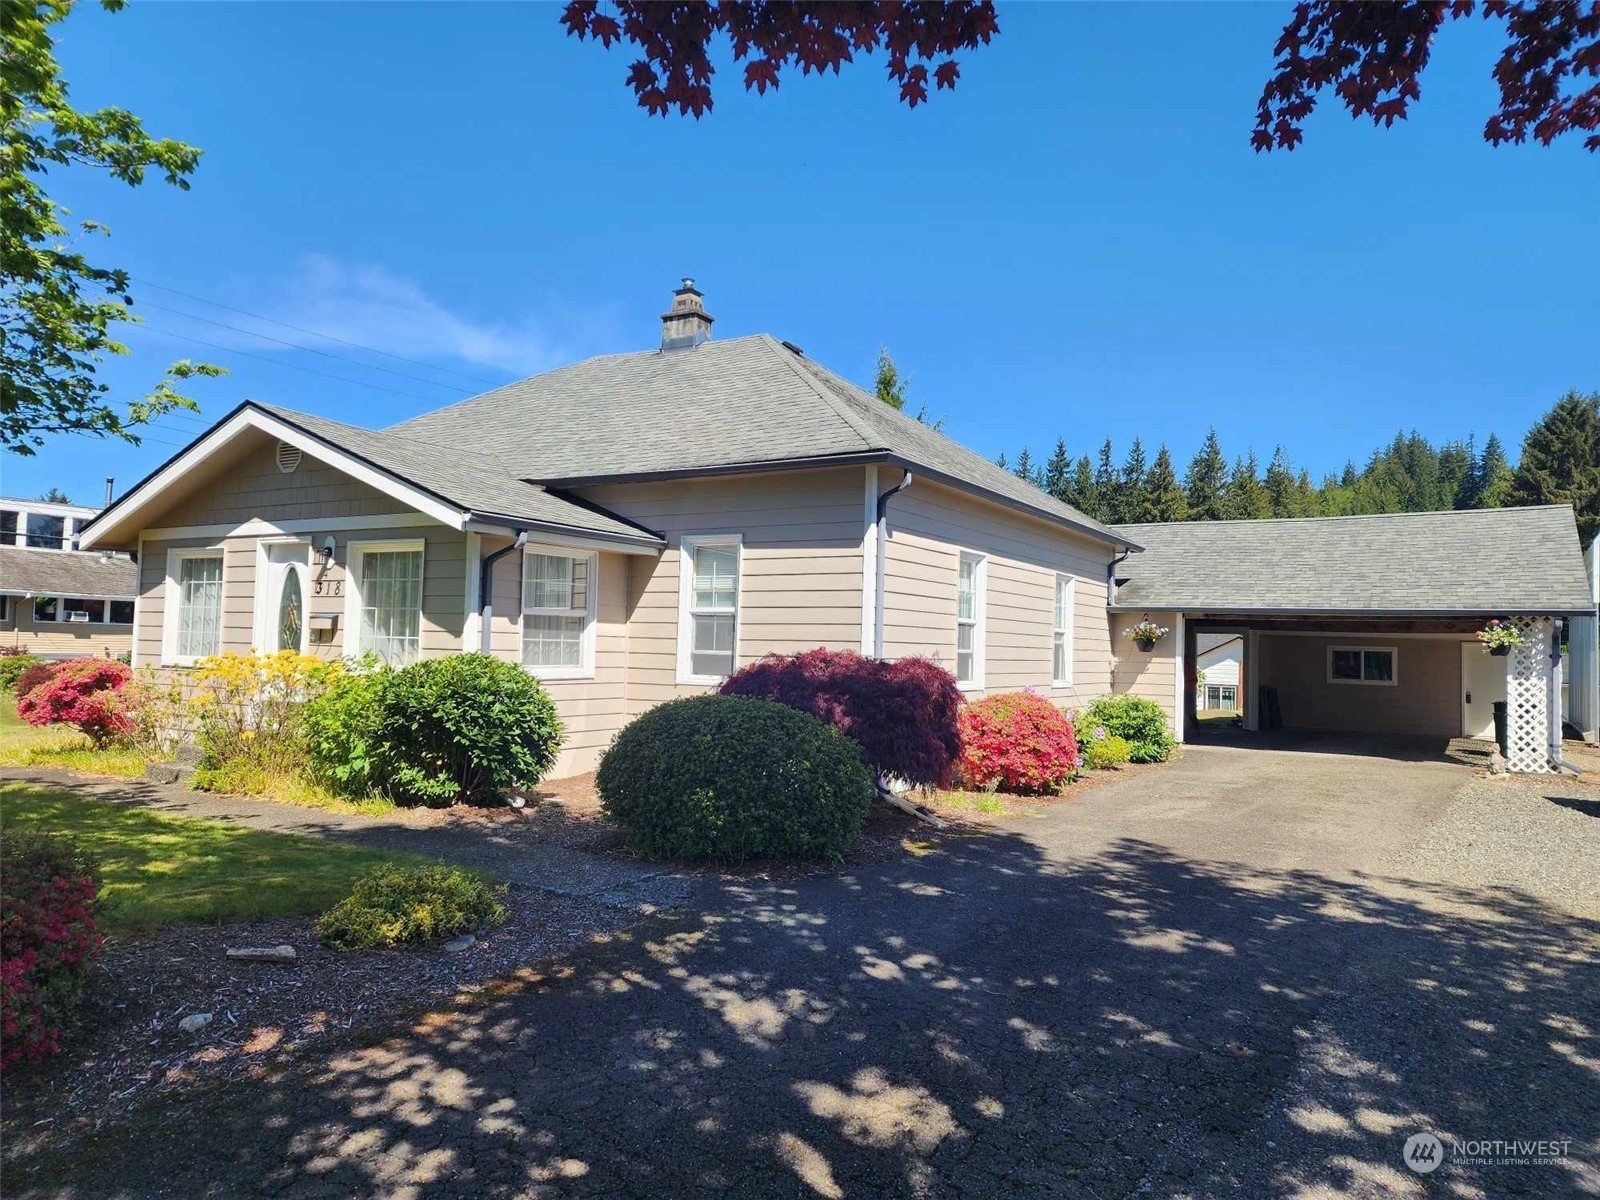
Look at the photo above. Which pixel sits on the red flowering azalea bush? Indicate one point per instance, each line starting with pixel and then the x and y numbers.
pixel 31 676
pixel 902 714
pixel 85 693
pixel 1017 742
pixel 48 894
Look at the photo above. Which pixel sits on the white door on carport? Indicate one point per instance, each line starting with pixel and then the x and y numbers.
pixel 1483 681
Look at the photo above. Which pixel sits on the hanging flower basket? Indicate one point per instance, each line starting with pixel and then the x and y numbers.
pixel 1147 633
pixel 1499 637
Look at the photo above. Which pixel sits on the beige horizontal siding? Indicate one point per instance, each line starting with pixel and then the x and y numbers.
pixel 800 579
pixel 1425 701
pixel 1152 676
pixel 61 639
pixel 929 526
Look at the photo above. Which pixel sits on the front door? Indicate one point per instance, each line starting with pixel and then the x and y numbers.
pixel 281 597
pixel 1483 681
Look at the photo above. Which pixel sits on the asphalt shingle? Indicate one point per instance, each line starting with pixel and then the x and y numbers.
pixel 65 573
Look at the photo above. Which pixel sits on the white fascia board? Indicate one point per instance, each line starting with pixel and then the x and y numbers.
pixel 140 499
pixel 549 537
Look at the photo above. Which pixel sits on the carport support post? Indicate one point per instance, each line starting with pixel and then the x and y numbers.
pixel 1189 673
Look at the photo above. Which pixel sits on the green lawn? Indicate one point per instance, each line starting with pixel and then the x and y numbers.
pixel 160 870
pixel 24 745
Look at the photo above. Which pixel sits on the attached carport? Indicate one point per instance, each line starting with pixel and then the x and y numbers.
pixel 1367 625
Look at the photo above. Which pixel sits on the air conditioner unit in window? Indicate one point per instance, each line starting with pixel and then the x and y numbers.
pixel 78 616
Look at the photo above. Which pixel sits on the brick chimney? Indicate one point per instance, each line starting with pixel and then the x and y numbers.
pixel 687 324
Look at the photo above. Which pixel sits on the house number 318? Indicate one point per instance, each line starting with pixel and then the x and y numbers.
pixel 328 587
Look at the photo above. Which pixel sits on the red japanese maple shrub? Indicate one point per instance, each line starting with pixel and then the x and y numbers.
pixel 85 693
pixel 1017 742
pixel 48 895
pixel 902 714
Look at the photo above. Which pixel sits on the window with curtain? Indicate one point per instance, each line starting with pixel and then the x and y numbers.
pixel 199 630
pixel 555 610
pixel 390 594
pixel 713 604
pixel 1061 668
pixel 969 605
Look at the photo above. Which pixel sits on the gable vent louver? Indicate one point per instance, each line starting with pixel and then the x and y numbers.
pixel 288 457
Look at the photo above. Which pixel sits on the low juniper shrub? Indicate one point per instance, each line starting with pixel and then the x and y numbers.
pixel 410 905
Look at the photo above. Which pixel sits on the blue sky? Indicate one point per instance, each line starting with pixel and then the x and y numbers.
pixel 1077 242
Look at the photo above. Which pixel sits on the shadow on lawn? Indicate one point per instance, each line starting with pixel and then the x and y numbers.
pixel 978 1022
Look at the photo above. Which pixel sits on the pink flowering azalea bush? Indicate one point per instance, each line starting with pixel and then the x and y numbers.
pixel 84 692
pixel 49 892
pixel 903 715
pixel 1017 742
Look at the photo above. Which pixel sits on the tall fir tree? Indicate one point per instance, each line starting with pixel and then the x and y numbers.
pixel 1107 484
pixel 1081 492
pixel 1133 497
pixel 1166 497
pixel 1058 471
pixel 1494 475
pixel 1245 498
pixel 891 388
pixel 1206 480
pixel 1024 470
pixel 1560 462
pixel 1002 462
pixel 1280 486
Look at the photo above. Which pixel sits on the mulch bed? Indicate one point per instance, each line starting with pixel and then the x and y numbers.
pixel 127 1045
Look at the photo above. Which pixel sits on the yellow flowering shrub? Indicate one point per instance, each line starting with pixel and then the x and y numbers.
pixel 248 715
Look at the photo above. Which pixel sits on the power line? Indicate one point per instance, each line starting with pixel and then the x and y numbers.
pixel 314 333
pixel 454 387
pixel 377 387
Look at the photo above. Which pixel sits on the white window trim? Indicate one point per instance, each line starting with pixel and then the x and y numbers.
pixel 353 554
pixel 586 653
pixel 169 606
pixel 1394 659
pixel 687 546
pixel 1065 631
pixel 267 598
pixel 980 614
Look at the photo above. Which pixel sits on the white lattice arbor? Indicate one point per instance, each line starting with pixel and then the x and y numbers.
pixel 1528 697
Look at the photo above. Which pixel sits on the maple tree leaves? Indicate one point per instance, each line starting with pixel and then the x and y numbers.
pixel 1372 56
pixel 766 35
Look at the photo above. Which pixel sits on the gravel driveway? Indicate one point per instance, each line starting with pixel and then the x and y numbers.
pixel 1246 975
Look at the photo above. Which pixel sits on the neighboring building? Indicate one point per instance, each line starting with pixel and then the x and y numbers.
pixel 41 524
pixel 1218 657
pixel 66 605
pixel 633 527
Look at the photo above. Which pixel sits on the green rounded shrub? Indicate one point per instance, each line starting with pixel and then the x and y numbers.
pixel 730 778
pixel 398 906
pixel 464 728
pixel 341 732
pixel 12 665
pixel 1142 723
pixel 1106 753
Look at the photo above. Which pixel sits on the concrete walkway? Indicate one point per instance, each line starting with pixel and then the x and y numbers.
pixel 497 848
pixel 1205 981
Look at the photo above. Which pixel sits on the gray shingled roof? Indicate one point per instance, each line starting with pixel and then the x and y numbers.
pixel 65 573
pixel 465 473
pixel 1482 562
pixel 746 401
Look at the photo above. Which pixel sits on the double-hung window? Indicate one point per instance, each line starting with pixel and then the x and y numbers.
pixel 969 621
pixel 558 604
pixel 1363 664
pixel 708 625
pixel 383 603
pixel 192 621
pixel 1061 650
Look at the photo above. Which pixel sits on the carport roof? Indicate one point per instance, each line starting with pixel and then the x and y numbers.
pixel 1505 561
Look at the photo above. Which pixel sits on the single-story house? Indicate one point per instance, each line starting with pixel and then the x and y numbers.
pixel 633 527
pixel 1219 658
pixel 66 603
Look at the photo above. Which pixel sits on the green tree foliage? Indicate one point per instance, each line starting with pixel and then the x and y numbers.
pixel 1495 473
pixel 1133 497
pixel 1166 498
pixel 1207 480
pixel 54 496
pixel 1025 470
pixel 1107 484
pixel 1058 471
pixel 890 387
pixel 1560 461
pixel 1082 494
pixel 61 309
pixel 1245 498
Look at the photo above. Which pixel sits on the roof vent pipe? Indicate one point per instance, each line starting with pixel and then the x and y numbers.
pixel 486 591
pixel 111 488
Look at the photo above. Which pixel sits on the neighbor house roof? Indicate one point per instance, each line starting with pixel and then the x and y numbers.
pixel 26 572
pixel 746 403
pixel 1504 561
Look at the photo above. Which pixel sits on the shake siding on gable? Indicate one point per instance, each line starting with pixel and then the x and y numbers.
pixel 929 526
pixel 800 566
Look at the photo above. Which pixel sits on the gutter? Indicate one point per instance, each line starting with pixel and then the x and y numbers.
pixel 1111 577
pixel 883 557
pixel 485 592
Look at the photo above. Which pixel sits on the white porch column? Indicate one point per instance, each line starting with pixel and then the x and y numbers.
pixel 1528 673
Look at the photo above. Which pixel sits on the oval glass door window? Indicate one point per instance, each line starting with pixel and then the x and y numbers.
pixel 291 611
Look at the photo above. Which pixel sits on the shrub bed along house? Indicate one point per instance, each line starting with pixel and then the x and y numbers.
pixel 732 778
pixel 399 906
pixel 904 715
pixel 1139 722
pixel 48 895
pixel 1017 742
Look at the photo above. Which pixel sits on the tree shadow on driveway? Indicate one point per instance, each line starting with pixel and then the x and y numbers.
pixel 980 1021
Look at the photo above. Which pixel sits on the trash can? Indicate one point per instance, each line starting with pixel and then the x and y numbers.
pixel 1500 728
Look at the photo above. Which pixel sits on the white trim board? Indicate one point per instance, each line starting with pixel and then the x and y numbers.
pixel 260 527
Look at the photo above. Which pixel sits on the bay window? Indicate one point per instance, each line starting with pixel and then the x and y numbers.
pixel 558 605
pixel 708 594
